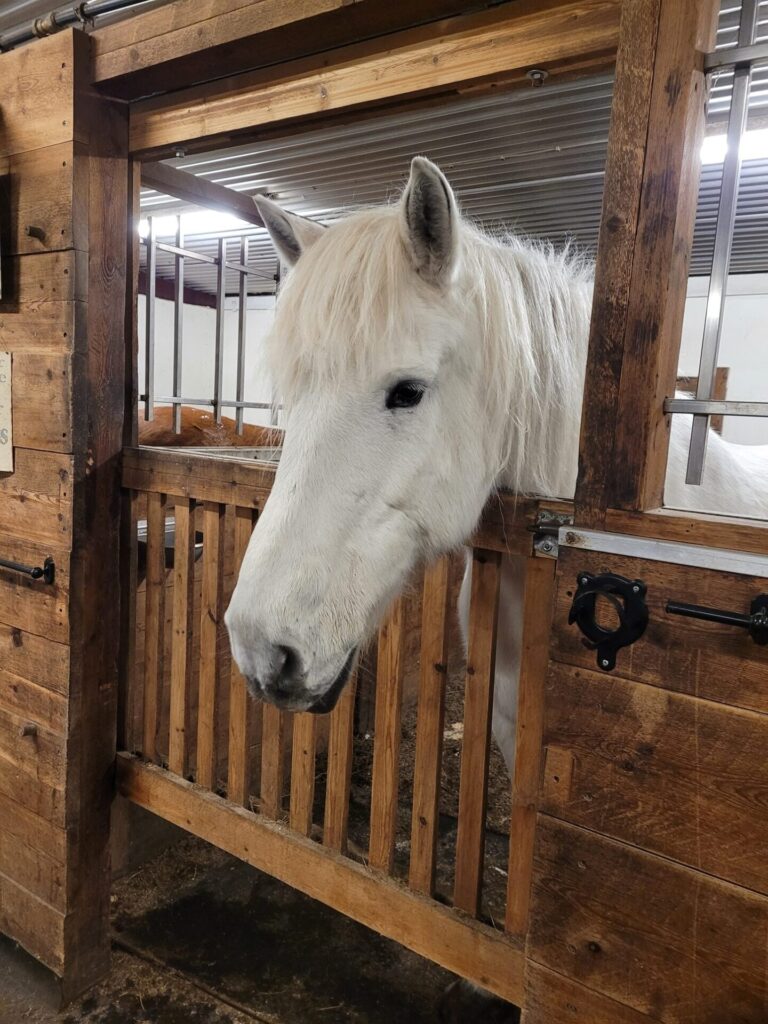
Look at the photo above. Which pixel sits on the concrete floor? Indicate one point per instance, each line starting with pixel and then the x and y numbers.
pixel 201 938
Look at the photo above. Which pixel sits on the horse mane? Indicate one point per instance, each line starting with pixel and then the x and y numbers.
pixel 353 297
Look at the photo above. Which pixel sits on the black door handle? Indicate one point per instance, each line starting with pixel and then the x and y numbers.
pixel 756 622
pixel 45 572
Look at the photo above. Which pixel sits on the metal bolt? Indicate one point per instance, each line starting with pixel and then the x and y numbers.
pixel 605 663
pixel 180 153
pixel 635 589
pixel 583 581
pixel 537 77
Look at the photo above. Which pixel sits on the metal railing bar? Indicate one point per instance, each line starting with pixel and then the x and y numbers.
pixel 218 370
pixel 242 314
pixel 714 407
pixel 225 403
pixel 739 56
pixel 726 218
pixel 178 323
pixel 149 348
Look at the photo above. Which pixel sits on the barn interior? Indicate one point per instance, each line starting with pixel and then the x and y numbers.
pixel 189 921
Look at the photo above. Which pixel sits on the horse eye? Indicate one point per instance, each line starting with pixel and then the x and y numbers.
pixel 405 394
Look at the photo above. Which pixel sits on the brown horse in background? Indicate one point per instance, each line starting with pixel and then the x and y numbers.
pixel 199 429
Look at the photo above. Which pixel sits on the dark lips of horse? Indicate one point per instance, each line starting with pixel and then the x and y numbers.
pixel 330 698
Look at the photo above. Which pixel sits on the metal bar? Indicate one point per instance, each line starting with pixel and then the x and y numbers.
pixel 713 407
pixel 219 354
pixel 242 314
pixel 225 403
pixel 45 572
pixel 201 257
pixel 721 259
pixel 737 56
pixel 149 340
pixel 60 17
pixel 697 611
pixel 178 323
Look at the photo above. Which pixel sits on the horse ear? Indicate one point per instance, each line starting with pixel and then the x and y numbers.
pixel 431 220
pixel 290 233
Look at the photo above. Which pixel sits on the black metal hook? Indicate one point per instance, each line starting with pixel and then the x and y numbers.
pixel 45 572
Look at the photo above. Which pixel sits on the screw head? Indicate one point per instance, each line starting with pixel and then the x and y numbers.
pixel 605 663
pixel 537 76
pixel 636 589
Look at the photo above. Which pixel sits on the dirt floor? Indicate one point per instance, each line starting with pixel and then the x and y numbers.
pixel 201 938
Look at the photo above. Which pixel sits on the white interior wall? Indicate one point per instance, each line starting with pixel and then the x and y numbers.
pixel 199 333
pixel 743 347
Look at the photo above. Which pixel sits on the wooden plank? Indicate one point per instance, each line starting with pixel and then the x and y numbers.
pixel 664 940
pixel 39 326
pixel 48 278
pixel 716 662
pixel 671 774
pixel 39 494
pixel 340 742
pixel 38 751
pixel 35 924
pixel 42 401
pixel 537 623
pixel 386 744
pixel 550 998
pixel 154 622
pixel 475 747
pixel 182 629
pixel 33 703
pixel 470 48
pixel 463 946
pixel 33 853
pixel 33 657
pixel 30 605
pixel 273 739
pixel 242 708
pixel 200 191
pixel 43 798
pixel 211 623
pixel 37 190
pixel 163 50
pixel 39 81
pixel 303 773
pixel 706 530
pixel 647 224
pixel 246 484
pixel 429 727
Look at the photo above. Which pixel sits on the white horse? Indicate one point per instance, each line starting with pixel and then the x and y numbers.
pixel 423 365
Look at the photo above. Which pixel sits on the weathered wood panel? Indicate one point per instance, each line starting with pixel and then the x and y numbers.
pixel 47 277
pixel 34 657
pixel 552 999
pixel 671 774
pixel 39 927
pixel 39 326
pixel 38 494
pixel 42 401
pixel 245 484
pixel 38 190
pixel 31 605
pixel 37 88
pixel 720 663
pixel 33 853
pixel 675 944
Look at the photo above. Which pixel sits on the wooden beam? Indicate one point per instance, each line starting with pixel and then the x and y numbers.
pixel 649 207
pixel 188 187
pixel 469 50
pixel 189 42
pixel 447 937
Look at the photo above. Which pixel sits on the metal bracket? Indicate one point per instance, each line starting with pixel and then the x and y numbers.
pixel 546 528
pixel 627 597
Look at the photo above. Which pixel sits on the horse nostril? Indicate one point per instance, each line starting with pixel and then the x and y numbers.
pixel 291 661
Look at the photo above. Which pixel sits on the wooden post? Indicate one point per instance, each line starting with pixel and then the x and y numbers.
pixel 657 126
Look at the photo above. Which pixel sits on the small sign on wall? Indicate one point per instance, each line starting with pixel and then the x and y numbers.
pixel 6 433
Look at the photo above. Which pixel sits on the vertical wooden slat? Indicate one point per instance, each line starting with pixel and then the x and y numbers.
pixel 478 707
pixel 240 704
pixel 273 727
pixel 211 612
pixel 534 655
pixel 386 746
pixel 303 772
pixel 339 769
pixel 429 727
pixel 154 621
pixel 182 632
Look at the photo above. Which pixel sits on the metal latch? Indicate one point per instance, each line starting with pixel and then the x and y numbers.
pixel 45 572
pixel 756 622
pixel 546 528
pixel 626 596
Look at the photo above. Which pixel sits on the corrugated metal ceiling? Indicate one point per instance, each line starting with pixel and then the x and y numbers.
pixel 529 161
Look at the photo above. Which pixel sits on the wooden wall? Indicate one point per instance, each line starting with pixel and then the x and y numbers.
pixel 63 172
pixel 650 892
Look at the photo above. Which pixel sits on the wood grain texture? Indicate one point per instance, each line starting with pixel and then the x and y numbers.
pixel 551 999
pixel 182 635
pixel 211 625
pixel 242 708
pixel 472 47
pixel 274 725
pixel 29 605
pixel 475 745
pixel 38 494
pixel 33 852
pixel 154 645
pixel 538 599
pixel 699 528
pixel 38 658
pixel 385 778
pixel 468 948
pixel 38 189
pixel 666 941
pixel 340 740
pixel 205 477
pixel 430 718
pixel 716 662
pixel 42 401
pixel 43 280
pixel 303 773
pixel 41 81
pixel 35 924
pixel 671 774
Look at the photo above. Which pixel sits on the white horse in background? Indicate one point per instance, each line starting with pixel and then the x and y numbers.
pixel 423 365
